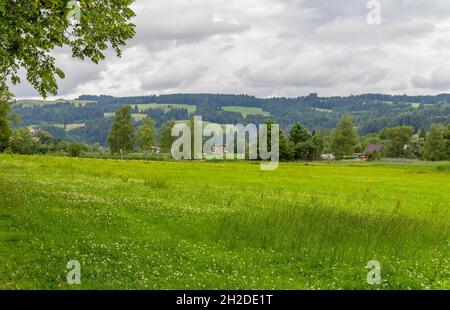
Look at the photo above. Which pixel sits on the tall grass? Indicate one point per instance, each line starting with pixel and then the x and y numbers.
pixel 169 225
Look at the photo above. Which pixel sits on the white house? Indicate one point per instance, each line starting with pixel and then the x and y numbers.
pixel 329 157
pixel 221 149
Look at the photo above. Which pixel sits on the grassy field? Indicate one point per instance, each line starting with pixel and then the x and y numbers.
pixel 323 110
pixel 206 225
pixel 30 102
pixel 70 127
pixel 166 107
pixel 136 116
pixel 245 111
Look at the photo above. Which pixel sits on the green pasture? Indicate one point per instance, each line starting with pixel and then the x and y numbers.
pixel 222 225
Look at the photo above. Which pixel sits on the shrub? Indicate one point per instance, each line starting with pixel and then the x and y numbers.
pixel 374 156
pixel 74 149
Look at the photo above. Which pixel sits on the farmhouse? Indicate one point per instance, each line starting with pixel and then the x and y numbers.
pixel 33 129
pixel 370 149
pixel 220 149
pixel 156 150
pixel 329 157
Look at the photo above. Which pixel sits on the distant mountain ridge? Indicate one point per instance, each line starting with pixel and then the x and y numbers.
pixel 371 112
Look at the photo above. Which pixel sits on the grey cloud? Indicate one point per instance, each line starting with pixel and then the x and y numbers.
pixel 190 31
pixel 438 80
pixel 358 32
pixel 375 76
pixel 402 86
pixel 180 21
pixel 392 10
pixel 172 77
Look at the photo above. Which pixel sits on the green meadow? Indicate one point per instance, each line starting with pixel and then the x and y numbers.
pixel 245 111
pixel 166 107
pixel 70 127
pixel 30 102
pixel 136 116
pixel 222 225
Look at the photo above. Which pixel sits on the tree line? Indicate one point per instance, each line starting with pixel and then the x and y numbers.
pixel 123 138
pixel 297 144
pixel 300 143
pixel 371 113
pixel 108 24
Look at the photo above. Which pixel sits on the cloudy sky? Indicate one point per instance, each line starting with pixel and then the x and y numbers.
pixel 272 48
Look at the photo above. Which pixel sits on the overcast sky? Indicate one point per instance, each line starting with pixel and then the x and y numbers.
pixel 272 48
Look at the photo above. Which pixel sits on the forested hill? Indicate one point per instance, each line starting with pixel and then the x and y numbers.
pixel 88 118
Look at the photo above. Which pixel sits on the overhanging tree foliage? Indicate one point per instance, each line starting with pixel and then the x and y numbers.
pixel 31 29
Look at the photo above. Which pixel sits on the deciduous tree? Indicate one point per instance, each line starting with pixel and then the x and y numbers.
pixel 398 140
pixel 166 140
pixel 22 141
pixel 146 135
pixel 121 136
pixel 75 149
pixel 344 138
pixel 5 108
pixel 435 144
pixel 299 134
pixel 447 141
pixel 287 151
pixel 31 29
